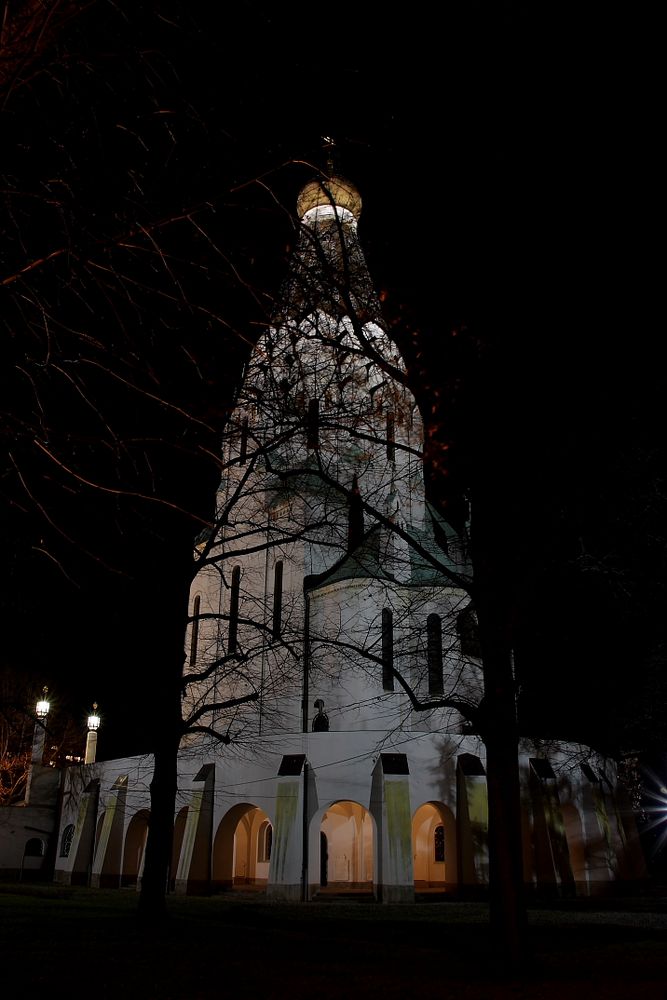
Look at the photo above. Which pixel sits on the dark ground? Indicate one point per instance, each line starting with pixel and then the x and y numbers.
pixel 60 941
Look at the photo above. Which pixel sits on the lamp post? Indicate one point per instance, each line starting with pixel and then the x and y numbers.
pixel 91 740
pixel 42 709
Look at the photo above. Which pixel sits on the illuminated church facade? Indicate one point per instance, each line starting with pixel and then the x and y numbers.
pixel 332 662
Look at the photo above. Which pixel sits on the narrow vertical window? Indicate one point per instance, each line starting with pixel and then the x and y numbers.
pixel 439 843
pixel 66 841
pixel 434 654
pixel 391 438
pixel 234 610
pixel 194 634
pixel 243 449
pixel 277 600
pixel 387 650
pixel 355 517
pixel 264 841
pixel 313 424
pixel 466 624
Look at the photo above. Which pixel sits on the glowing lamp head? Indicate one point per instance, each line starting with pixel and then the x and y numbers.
pixel 93 720
pixel 42 708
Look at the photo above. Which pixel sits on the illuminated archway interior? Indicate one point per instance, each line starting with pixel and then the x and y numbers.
pixel 430 847
pixel 347 847
pixel 251 857
pixel 133 852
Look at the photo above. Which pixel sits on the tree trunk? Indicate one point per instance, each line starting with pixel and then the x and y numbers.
pixel 500 734
pixel 507 898
pixel 160 829
pixel 165 740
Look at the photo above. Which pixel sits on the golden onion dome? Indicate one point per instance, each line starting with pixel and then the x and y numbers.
pixel 329 191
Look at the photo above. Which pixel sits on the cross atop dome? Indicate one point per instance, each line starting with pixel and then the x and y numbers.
pixel 329 190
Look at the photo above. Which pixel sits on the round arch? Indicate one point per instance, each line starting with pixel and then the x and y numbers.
pixel 242 848
pixel 179 832
pixel 343 849
pixel 133 849
pixel 434 847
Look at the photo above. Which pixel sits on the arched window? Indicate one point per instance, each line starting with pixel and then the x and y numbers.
pixel 264 841
pixel 313 424
pixel 66 840
pixel 391 439
pixel 434 654
pixel 234 610
pixel 277 599
pixel 439 843
pixel 194 634
pixel 34 848
pixel 468 630
pixel 387 650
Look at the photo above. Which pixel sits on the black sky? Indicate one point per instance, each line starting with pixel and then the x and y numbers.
pixel 507 158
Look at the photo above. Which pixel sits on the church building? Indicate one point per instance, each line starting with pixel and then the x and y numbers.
pixel 332 660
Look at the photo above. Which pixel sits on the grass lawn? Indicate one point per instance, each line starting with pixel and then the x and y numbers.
pixel 58 941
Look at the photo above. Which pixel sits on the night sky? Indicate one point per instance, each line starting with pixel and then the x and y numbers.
pixel 507 159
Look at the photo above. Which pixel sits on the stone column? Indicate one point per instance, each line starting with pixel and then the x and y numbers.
pixel 193 874
pixel 390 806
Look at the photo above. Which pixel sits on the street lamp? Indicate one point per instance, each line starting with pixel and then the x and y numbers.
pixel 42 708
pixel 91 740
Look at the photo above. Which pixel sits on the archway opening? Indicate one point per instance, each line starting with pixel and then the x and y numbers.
pixel 242 849
pixel 179 832
pixel 346 849
pixel 434 848
pixel 133 852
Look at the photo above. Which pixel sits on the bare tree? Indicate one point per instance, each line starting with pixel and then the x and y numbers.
pixel 124 307
pixel 16 730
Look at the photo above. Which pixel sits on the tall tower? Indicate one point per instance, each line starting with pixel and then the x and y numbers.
pixel 323 581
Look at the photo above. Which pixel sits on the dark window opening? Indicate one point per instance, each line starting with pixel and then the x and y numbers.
pixel 34 848
pixel 234 610
pixel 313 424
pixel 66 841
pixel 264 842
pixel 439 843
pixel 277 600
pixel 468 630
pixel 434 654
pixel 391 439
pixel 355 524
pixel 387 650
pixel 194 635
